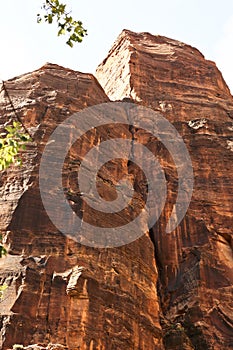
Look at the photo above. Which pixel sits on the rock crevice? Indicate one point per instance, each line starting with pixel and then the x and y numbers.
pixel 162 291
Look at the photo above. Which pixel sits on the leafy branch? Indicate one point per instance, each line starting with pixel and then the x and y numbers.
pixel 12 141
pixel 56 11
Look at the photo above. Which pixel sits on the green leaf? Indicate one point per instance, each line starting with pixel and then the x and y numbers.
pixel 61 32
pixel 69 42
pixel 50 18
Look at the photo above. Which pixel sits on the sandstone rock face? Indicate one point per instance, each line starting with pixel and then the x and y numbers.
pixel 60 292
pixel 195 262
pixel 163 291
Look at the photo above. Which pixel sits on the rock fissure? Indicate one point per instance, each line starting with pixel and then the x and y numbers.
pixel 162 291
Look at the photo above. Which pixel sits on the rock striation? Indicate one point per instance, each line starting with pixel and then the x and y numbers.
pixel 60 292
pixel 195 262
pixel 162 291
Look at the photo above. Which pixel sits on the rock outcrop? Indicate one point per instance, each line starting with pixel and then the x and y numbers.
pixel 162 291
pixel 195 262
pixel 59 291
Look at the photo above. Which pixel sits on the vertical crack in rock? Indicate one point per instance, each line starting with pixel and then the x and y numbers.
pixel 195 261
pixel 162 291
pixel 113 303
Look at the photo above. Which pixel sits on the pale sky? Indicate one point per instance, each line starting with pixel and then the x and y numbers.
pixel 26 45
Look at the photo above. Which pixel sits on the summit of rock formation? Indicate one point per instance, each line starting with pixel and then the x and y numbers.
pixel 141 64
pixel 162 291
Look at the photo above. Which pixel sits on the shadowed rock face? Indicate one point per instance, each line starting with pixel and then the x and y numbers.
pixel 163 291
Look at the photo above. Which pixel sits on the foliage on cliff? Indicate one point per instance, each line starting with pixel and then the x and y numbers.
pixel 12 141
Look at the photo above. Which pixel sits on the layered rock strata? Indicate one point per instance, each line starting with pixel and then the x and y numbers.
pixel 163 291
pixel 195 262
pixel 61 292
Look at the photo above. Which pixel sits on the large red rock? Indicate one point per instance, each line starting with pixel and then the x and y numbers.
pixel 59 291
pixel 163 291
pixel 195 262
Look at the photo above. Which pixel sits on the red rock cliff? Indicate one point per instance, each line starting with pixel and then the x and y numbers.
pixel 161 291
pixel 195 262
pixel 59 291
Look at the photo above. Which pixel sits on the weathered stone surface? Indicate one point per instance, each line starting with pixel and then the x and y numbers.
pixel 162 291
pixel 109 303
pixel 39 347
pixel 195 262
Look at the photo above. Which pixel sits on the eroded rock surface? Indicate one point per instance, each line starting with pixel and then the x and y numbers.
pixel 163 291
pixel 195 262
pixel 59 291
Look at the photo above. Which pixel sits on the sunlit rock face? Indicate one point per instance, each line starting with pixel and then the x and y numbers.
pixel 195 262
pixel 163 291
pixel 61 292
